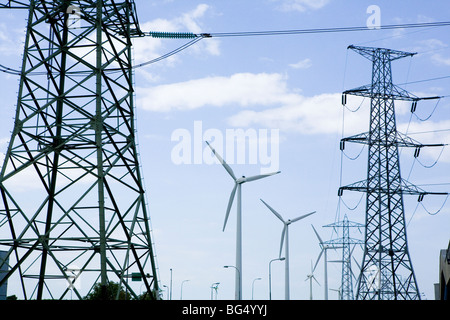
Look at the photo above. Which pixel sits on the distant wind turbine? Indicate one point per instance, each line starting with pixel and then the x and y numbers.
pixel 324 247
pixel 310 277
pixel 285 239
pixel 237 187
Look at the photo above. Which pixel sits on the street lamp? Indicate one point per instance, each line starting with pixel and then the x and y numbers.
pixel 214 286
pixel 239 276
pixel 181 295
pixel 167 291
pixel 253 285
pixel 170 284
pixel 270 277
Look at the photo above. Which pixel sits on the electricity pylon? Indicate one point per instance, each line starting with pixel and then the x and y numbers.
pixel 73 212
pixel 346 242
pixel 386 272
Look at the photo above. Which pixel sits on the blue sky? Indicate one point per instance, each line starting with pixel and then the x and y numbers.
pixel 288 85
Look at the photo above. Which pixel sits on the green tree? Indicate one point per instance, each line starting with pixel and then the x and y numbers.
pixel 108 293
pixel 147 296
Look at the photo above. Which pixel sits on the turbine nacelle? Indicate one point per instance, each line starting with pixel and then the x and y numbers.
pixel 241 180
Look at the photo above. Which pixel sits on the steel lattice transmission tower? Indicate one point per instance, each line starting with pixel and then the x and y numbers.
pixel 73 211
pixel 386 272
pixel 347 243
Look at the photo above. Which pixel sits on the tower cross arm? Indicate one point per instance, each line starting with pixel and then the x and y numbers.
pixel 12 4
pixel 402 140
pixel 371 53
pixel 122 18
pixel 395 92
pixel 404 188
pixel 338 243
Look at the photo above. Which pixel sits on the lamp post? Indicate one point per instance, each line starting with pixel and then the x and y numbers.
pixel 170 294
pixel 181 294
pixel 270 276
pixel 239 296
pixel 167 288
pixel 214 286
pixel 253 285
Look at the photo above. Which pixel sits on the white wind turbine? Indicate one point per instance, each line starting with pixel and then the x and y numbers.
pixel 324 247
pixel 237 187
pixel 310 277
pixel 285 239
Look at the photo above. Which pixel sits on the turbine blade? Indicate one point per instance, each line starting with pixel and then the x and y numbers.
pixel 273 211
pixel 301 217
pixel 320 255
pixel 260 176
pixel 230 203
pixel 359 267
pixel 316 280
pixel 354 277
pixel 282 238
pixel 225 165
pixel 318 237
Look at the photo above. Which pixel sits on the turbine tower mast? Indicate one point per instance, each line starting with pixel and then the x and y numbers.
pixel 386 255
pixel 83 210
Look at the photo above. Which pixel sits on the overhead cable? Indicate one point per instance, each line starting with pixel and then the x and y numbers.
pixel 325 30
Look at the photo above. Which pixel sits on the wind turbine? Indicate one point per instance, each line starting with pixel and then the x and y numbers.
pixel 310 277
pixel 285 238
pixel 237 187
pixel 339 292
pixel 324 247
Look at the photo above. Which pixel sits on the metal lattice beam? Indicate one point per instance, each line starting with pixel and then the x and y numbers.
pixel 386 272
pixel 346 242
pixel 74 145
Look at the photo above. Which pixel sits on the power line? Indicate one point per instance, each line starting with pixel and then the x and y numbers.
pixel 171 53
pixel 425 80
pixel 189 35
pixel 327 30
pixel 430 131
pixel 199 36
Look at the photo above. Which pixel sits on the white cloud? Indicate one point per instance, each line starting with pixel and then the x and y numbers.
pixel 430 47
pixel 146 49
pixel 430 132
pixel 189 19
pixel 11 40
pixel 302 5
pixel 242 89
pixel 440 60
pixel 320 114
pixel 267 98
pixel 302 64
pixel 269 102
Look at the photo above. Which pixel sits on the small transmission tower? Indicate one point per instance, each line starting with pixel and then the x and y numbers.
pixel 73 214
pixel 346 242
pixel 386 272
